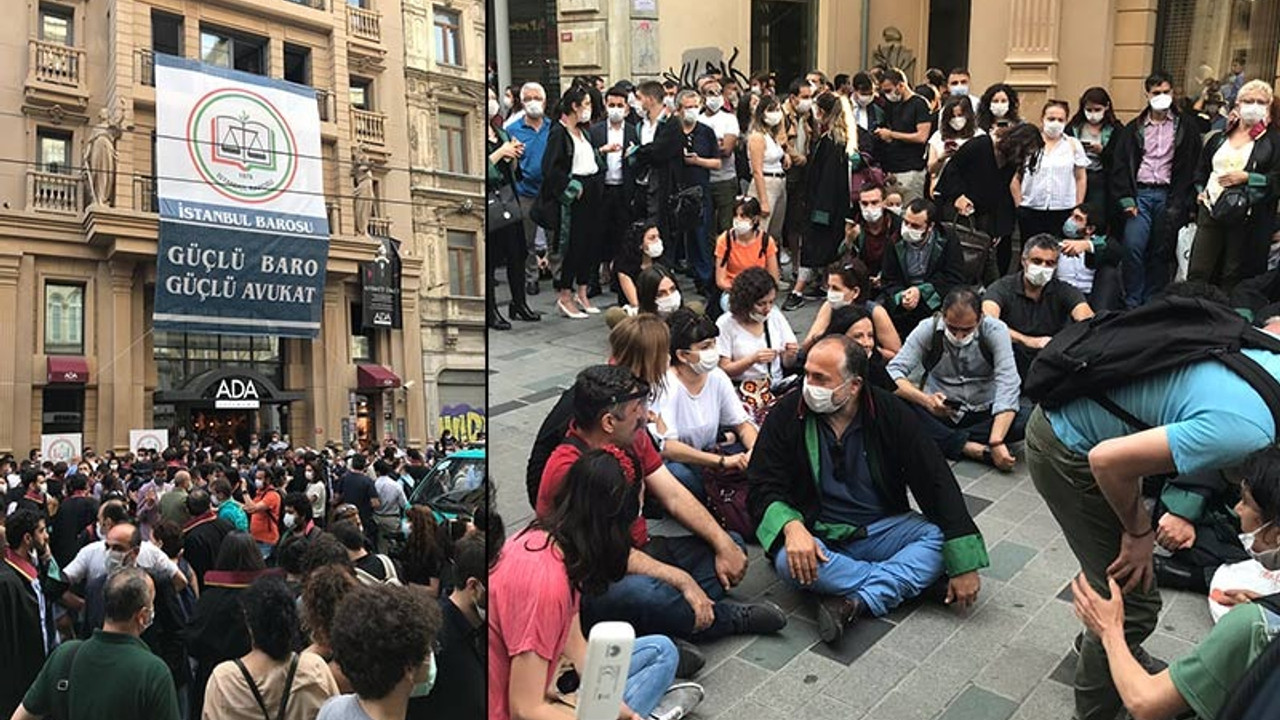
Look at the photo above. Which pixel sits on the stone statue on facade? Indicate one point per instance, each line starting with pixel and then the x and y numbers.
pixel 100 156
pixel 365 197
pixel 893 54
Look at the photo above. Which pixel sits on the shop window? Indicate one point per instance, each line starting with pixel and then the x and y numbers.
pixel 56 24
pixel 1214 46
pixel 166 33
pixel 448 37
pixel 180 357
pixel 63 410
pixel 234 51
pixel 53 151
pixel 297 64
pixel 463 272
pixel 63 319
pixel 453 142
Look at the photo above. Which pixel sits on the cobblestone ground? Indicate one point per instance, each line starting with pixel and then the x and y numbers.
pixel 1009 657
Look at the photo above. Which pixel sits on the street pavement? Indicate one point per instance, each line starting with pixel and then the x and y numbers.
pixel 1009 657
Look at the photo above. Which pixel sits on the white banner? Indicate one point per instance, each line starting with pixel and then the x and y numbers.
pixel 63 447
pixel 157 440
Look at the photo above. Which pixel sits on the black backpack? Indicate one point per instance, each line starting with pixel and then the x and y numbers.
pixel 1088 359
pixel 764 246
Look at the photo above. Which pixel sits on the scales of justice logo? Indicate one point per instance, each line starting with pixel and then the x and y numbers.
pixel 242 145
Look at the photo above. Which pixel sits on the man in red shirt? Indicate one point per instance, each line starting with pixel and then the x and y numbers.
pixel 264 511
pixel 675 586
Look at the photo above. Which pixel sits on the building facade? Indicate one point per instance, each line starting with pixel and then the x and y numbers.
pixel 77 277
pixel 1044 48
pixel 444 79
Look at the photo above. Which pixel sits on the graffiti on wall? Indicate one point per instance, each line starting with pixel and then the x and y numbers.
pixel 696 62
pixel 893 54
pixel 463 421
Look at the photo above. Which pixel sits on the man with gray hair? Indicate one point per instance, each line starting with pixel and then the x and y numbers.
pixel 1033 303
pixel 701 156
pixel 530 126
pixel 112 674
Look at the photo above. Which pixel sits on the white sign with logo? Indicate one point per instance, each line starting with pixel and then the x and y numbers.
pixel 61 447
pixel 153 439
pixel 237 394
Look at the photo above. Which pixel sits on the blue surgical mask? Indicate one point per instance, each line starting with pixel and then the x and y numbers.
pixel 1071 230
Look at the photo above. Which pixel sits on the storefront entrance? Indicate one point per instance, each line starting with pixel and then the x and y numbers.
pixel 226 406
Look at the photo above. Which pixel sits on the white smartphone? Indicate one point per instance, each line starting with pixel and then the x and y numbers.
pixel 604 678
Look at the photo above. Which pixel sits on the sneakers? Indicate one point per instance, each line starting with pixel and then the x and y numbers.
pixel 1152 665
pixel 794 301
pixel 834 613
pixel 691 659
pixel 679 700
pixel 784 257
pixel 815 291
pixel 756 618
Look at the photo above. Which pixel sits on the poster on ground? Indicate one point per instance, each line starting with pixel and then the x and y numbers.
pixel 61 447
pixel 153 439
pixel 244 235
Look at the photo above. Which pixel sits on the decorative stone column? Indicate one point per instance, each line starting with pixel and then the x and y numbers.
pixel 1033 51
pixel 9 266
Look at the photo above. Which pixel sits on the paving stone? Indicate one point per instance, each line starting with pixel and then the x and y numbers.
pixel 1007 559
pixel 728 684
pixel 783 595
pixel 1187 617
pixel 1049 700
pixel 978 704
pixel 1016 671
pixel 993 485
pixel 1065 671
pixel 869 678
pixel 554 391
pixel 745 710
pixel 982 635
pixel 1016 507
pixel 970 469
pixel 825 708
pixel 1053 628
pixel 1037 530
pixel 975 504
pixel 772 652
pixel 993 529
pixel 1168 647
pixel 797 683
pixel 921 634
pixel 857 639
pixel 1039 581
pixel 760 577
pixel 506 407
pixel 1015 598
pixel 718 651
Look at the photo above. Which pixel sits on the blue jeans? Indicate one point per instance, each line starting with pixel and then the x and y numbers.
pixel 690 477
pixel 896 561
pixel 653 669
pixel 698 246
pixel 655 608
pixel 1137 235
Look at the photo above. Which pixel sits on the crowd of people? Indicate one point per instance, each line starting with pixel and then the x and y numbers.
pixel 949 236
pixel 212 582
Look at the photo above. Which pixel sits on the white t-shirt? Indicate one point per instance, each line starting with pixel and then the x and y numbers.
pixel 737 342
pixel 91 562
pixel 1053 185
pixel 695 420
pixel 939 146
pixel 1074 272
pixel 584 155
pixel 723 123
pixel 1226 160
pixel 613 174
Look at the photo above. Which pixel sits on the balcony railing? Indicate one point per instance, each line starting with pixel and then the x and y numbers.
pixel 327 103
pixel 364 24
pixel 144 67
pixel 54 192
pixel 55 64
pixel 144 195
pixel 369 126
pixel 379 227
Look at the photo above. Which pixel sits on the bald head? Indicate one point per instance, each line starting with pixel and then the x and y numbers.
pixel 124 536
pixel 182 479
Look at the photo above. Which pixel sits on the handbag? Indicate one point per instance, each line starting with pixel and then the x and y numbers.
pixel 726 490
pixel 502 208
pixel 975 245
pixel 686 206
pixel 1232 206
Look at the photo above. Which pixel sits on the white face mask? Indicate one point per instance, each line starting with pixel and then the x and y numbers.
pixel 873 214
pixel 706 361
pixel 895 209
pixel 959 342
pixel 757 317
pixel 669 304
pixel 310 475
pixel 494 107
pixel 1054 128
pixel 654 249
pixel 532 108
pixel 822 400
pixel 863 100
pixel 714 103
pixel 670 102
pixel 691 115
pixel 742 226
pixel 893 96
pixel 1253 113
pixel 290 520
pixel 1160 103
pixel 999 109
pixel 958 122
pixel 804 106
pixel 961 90
pixel 115 560
pixel 584 115
pixel 617 114
pixel 1269 559
pixel 1039 275
pixel 836 299
pixel 772 118
pixel 1094 116
pixel 915 236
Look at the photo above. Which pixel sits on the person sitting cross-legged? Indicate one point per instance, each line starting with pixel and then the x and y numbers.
pixel 828 490
pixel 968 399
pixel 921 269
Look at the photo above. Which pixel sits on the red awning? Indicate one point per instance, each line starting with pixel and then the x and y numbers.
pixel 68 369
pixel 376 377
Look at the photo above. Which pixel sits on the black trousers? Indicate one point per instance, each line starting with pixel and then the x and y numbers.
pixel 615 221
pixel 582 248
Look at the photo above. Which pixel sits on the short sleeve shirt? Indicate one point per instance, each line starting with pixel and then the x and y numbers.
pixel 1205 677
pixel 743 255
pixel 736 342
pixel 695 420
pixel 904 117
pixel 1045 317
pixel 723 124
pixel 264 525
pixel 114 676
pixel 531 608
pixel 701 141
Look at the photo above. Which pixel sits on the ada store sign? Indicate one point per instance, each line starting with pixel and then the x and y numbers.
pixel 237 393
pixel 61 447
pixel 243 226
pixel 151 439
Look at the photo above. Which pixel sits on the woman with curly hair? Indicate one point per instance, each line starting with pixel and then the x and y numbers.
pixel 321 593
pixel 537 585
pixel 998 108
pixel 756 342
pixel 271 680
pixel 423 557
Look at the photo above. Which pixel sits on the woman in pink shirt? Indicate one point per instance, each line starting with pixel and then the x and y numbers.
pixel 537 584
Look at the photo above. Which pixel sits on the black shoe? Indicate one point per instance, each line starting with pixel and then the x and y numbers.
pixel 756 618
pixel 793 302
pixel 834 614
pixel 691 659
pixel 524 313
pixel 593 290
pixel 815 291
pixel 532 288
pixel 495 321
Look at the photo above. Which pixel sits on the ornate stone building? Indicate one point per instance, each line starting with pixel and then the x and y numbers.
pixel 444 79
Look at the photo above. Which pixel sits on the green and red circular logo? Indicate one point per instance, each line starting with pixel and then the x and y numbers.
pixel 242 146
